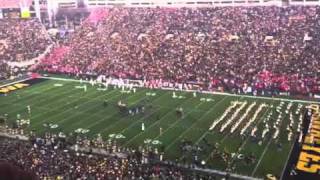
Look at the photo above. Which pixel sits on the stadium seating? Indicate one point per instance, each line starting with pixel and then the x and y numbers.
pixel 14 3
pixel 22 40
pixel 4 71
pixel 238 49
pixel 48 160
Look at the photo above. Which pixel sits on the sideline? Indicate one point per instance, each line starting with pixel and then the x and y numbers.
pixel 206 92
pixel 15 82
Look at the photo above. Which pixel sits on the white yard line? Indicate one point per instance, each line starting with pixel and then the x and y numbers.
pixel 124 118
pixel 32 99
pixel 261 157
pixel 93 114
pixel 195 123
pixel 67 110
pixel 289 155
pixel 155 123
pixel 172 125
pixel 144 117
pixel 260 120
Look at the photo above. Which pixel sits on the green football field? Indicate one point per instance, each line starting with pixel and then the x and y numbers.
pixel 69 107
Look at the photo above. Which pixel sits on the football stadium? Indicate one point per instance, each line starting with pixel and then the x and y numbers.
pixel 150 89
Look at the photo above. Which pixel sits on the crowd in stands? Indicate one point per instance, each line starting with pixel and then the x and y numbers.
pixel 50 158
pixel 20 40
pixel 4 71
pixel 239 49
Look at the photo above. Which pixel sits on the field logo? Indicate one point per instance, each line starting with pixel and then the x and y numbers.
pixel 309 158
pixel 14 87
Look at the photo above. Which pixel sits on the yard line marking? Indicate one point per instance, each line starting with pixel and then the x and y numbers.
pixel 59 107
pixel 141 119
pixel 193 124
pixel 33 99
pixel 287 161
pixel 172 125
pixel 125 117
pixel 91 100
pixel 60 99
pixel 67 110
pixel 261 157
pixel 27 96
pixel 94 114
pixel 155 111
pixel 267 147
pixel 43 87
pixel 156 122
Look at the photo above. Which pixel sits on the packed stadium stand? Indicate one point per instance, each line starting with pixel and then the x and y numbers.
pixel 260 47
pixel 159 89
pixel 4 4
pixel 22 40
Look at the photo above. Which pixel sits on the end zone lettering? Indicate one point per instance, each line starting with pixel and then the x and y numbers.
pixel 13 87
pixel 309 158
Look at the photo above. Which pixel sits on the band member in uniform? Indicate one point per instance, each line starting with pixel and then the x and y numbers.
pixel 105 103
pixel 122 107
pixel 179 112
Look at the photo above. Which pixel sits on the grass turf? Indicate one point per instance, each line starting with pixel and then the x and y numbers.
pixel 72 108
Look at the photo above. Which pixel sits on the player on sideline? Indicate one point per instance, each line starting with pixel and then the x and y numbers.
pixel 106 84
pixel 130 87
pixel 142 127
pixel 174 95
pixel 29 109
